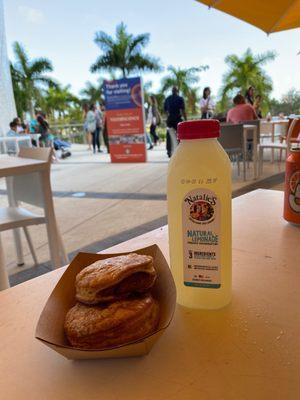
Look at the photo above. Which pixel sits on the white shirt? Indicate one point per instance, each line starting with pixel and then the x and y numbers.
pixel 90 121
pixel 149 116
pixel 207 103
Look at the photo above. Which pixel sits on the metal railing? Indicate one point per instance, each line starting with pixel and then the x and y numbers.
pixel 73 133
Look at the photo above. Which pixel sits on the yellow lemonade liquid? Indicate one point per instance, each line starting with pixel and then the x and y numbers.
pixel 199 217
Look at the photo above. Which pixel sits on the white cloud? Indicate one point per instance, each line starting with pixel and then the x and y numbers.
pixel 32 15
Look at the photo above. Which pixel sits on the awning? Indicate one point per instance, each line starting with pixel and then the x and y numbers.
pixel 268 15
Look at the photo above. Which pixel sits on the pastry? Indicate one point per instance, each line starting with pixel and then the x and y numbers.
pixel 110 325
pixel 115 278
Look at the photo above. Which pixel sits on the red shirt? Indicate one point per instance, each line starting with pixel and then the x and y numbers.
pixel 240 113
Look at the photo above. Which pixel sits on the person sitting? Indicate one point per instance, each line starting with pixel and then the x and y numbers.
pixel 257 106
pixel 241 111
pixel 46 139
pixel 249 95
pixel 13 129
pixel 33 124
pixel 18 121
pixel 13 132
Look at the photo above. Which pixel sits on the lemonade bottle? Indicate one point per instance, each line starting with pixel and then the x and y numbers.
pixel 199 216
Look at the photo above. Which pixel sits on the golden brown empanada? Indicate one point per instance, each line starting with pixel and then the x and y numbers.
pixel 111 325
pixel 115 278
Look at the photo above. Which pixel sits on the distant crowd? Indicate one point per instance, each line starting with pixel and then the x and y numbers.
pixel 94 125
pixel 245 108
pixel 38 125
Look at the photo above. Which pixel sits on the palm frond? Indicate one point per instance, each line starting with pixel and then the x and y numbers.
pixel 104 41
pixel 124 52
pixel 143 62
pixel 39 66
pixel 138 42
pixel 167 83
pixel 47 81
pixel 264 58
pixel 103 62
pixel 21 57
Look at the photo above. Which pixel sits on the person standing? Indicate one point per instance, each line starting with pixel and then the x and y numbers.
pixel 153 118
pixel 96 140
pixel 85 109
pixel 91 125
pixel 104 127
pixel 174 107
pixel 149 141
pixel 207 105
pixel 249 96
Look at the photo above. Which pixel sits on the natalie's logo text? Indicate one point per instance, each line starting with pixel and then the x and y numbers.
pixel 202 237
pixel 192 199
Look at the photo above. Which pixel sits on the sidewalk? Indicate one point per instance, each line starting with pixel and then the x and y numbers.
pixel 99 204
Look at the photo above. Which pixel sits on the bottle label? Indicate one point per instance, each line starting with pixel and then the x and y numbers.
pixel 201 218
pixel 294 191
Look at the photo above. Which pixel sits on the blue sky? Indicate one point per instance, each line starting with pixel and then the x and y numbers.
pixel 183 33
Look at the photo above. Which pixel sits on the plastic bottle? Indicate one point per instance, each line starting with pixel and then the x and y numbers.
pixel 199 216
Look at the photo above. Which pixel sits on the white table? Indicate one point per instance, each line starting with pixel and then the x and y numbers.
pixel 16 140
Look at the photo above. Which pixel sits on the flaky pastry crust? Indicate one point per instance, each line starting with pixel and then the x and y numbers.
pixel 111 325
pixel 115 278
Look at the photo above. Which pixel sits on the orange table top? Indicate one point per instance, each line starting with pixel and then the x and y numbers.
pixel 248 350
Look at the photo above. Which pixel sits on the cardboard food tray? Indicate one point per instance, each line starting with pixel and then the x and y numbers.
pixel 50 327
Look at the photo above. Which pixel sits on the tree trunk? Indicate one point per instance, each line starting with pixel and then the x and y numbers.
pixel 31 109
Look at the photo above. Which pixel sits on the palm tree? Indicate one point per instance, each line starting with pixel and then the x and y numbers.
pixel 29 77
pixel 19 94
pixel 184 79
pixel 59 99
pixel 147 89
pixel 124 52
pixel 193 99
pixel 247 71
pixel 92 92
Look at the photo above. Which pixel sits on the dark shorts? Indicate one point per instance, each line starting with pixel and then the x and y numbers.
pixel 172 122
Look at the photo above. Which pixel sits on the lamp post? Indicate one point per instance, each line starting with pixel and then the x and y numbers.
pixel 7 101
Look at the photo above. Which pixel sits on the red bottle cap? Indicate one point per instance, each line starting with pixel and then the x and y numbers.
pixel 198 129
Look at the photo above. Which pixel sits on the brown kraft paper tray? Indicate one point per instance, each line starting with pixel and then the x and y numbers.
pixel 50 330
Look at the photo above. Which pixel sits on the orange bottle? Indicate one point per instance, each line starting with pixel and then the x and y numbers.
pixel 291 212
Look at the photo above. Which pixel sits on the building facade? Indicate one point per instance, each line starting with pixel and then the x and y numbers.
pixel 7 101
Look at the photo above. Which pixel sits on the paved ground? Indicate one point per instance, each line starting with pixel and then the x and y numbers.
pixel 99 204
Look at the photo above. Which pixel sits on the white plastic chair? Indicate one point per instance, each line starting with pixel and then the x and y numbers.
pixel 31 189
pixel 277 146
pixel 12 144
